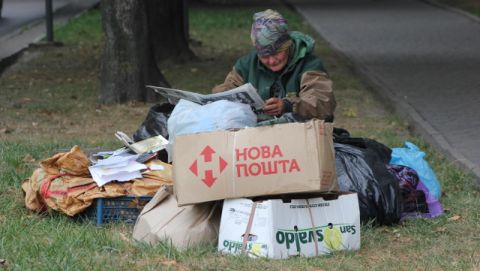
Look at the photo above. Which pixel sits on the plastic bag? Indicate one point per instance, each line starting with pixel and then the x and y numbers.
pixel 188 117
pixel 361 170
pixel 155 123
pixel 411 156
pixel 417 201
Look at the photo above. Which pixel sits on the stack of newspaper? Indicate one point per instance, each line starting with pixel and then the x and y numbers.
pixel 120 167
pixel 243 94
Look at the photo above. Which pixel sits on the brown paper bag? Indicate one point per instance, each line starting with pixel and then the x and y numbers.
pixel 162 220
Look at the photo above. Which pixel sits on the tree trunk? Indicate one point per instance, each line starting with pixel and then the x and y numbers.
pixel 138 36
pixel 168 23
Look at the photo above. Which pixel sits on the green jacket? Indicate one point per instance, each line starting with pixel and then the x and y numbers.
pixel 303 83
pixel 300 60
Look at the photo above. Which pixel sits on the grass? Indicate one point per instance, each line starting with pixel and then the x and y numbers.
pixel 471 6
pixel 48 102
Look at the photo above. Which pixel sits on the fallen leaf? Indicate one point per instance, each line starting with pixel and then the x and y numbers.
pixel 441 229
pixel 455 218
pixel 28 159
pixel 350 113
pixel 124 237
pixel 26 99
pixel 169 263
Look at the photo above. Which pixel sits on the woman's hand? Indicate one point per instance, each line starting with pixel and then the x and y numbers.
pixel 273 107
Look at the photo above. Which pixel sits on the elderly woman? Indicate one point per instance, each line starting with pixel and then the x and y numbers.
pixel 284 71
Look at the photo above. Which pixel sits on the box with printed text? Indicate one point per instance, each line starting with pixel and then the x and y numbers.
pixel 267 160
pixel 278 229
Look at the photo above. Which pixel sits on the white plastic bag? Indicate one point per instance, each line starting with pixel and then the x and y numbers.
pixel 188 118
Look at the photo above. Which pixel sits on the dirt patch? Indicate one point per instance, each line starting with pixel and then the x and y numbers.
pixel 51 92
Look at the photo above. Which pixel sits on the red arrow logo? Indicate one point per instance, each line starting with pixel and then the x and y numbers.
pixel 222 163
pixel 209 179
pixel 193 168
pixel 207 154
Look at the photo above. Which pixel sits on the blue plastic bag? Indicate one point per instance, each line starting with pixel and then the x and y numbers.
pixel 411 156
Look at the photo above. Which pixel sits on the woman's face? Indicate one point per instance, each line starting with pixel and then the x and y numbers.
pixel 275 62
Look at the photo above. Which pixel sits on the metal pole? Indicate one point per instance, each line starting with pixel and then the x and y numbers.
pixel 49 20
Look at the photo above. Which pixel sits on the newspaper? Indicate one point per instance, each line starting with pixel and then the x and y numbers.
pixel 152 144
pixel 243 94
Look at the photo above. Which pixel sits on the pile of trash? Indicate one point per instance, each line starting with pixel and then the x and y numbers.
pixel 277 189
pixel 63 183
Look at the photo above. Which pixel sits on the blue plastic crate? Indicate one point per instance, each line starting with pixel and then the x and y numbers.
pixel 120 209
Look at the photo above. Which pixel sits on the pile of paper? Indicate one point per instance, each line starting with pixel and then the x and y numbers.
pixel 121 167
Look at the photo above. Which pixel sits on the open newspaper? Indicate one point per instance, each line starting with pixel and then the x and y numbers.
pixel 242 94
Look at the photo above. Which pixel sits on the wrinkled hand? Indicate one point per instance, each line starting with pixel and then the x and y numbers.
pixel 273 107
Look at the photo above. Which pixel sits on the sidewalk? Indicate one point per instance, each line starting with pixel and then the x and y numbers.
pixel 423 60
pixel 23 21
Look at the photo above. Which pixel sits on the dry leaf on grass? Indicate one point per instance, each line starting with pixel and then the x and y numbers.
pixel 124 237
pixel 28 159
pixel 169 263
pixel 455 218
pixel 350 113
pixel 441 229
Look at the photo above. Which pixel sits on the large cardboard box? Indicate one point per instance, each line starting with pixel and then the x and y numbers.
pixel 278 159
pixel 299 228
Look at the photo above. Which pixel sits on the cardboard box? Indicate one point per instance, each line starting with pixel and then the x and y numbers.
pixel 281 230
pixel 269 160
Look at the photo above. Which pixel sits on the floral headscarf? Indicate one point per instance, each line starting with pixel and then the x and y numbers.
pixel 269 32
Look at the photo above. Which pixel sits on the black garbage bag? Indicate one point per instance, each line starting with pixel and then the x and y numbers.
pixel 155 123
pixel 364 171
pixel 342 136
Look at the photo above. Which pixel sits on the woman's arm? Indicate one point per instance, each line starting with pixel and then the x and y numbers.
pixel 232 81
pixel 316 99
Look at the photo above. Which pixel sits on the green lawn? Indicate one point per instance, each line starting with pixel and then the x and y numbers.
pixel 48 102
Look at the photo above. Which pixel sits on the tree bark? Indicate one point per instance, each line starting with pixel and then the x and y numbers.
pixel 163 16
pixel 139 35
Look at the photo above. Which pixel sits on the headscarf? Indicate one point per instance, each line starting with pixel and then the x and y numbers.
pixel 269 33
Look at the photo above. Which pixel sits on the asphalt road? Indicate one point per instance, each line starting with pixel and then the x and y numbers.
pixel 422 58
pixel 16 14
pixel 23 21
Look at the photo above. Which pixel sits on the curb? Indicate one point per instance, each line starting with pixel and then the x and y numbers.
pixel 453 9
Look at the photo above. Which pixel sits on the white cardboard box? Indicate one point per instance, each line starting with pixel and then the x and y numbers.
pixel 281 230
pixel 267 160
